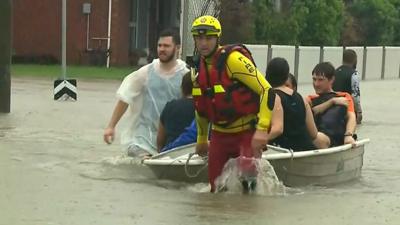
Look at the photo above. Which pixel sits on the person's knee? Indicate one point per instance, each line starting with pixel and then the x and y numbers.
pixel 322 141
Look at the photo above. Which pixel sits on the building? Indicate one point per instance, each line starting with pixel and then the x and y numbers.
pixel 132 28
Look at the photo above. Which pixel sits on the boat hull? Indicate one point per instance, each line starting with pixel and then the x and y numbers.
pixel 325 169
pixel 315 167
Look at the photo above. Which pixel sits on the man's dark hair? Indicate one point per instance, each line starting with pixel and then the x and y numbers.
pixel 187 84
pixel 324 69
pixel 171 33
pixel 349 56
pixel 277 71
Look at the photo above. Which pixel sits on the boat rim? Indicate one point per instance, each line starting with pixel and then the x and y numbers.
pixel 282 153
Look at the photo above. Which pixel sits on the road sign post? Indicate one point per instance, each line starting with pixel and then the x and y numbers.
pixel 5 55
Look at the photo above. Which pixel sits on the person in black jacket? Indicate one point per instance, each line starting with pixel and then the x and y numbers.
pixel 348 80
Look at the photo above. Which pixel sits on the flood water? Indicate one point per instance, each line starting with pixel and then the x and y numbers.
pixel 55 169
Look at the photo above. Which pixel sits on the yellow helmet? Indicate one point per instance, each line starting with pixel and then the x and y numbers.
pixel 207 25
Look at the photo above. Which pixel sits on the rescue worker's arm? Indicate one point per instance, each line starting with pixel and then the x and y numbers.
pixel 202 129
pixel 277 119
pixel 119 110
pixel 202 135
pixel 242 69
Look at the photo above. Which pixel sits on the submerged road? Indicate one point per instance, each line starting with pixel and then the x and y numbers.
pixel 55 169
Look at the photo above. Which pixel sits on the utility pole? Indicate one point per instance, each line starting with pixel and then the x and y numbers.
pixel 64 89
pixel 5 55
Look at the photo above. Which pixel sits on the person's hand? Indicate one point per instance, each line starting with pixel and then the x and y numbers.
pixel 202 149
pixel 108 135
pixel 349 140
pixel 258 142
pixel 340 101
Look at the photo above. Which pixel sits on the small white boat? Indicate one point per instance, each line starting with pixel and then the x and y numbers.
pixel 315 167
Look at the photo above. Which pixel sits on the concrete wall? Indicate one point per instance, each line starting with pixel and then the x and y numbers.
pixel 373 62
pixel 392 66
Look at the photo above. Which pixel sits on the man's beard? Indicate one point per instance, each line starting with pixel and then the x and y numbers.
pixel 169 58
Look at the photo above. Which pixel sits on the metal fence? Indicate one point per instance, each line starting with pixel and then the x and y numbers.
pixel 191 9
pixel 375 62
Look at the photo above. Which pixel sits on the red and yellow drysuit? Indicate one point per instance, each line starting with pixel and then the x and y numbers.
pixel 233 96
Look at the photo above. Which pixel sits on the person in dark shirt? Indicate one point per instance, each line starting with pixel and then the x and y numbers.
pixel 348 80
pixel 333 111
pixel 293 125
pixel 291 82
pixel 176 115
pixel 189 136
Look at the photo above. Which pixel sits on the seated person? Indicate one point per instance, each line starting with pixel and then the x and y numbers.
pixel 176 115
pixel 292 124
pixel 291 82
pixel 187 137
pixel 333 111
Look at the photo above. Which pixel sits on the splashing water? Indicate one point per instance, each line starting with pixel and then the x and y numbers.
pixel 237 169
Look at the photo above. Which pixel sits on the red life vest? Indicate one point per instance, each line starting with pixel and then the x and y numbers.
pixel 221 99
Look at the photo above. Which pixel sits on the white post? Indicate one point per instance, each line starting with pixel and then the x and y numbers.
pixel 64 40
pixel 109 32
pixel 87 31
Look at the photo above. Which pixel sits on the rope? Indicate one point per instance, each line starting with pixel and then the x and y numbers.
pixel 197 172
pixel 291 153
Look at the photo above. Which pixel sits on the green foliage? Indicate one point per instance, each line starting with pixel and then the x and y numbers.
pixel 306 22
pixel 379 20
pixel 322 23
pixel 236 22
pixel 81 72
pixel 396 5
pixel 260 12
pixel 351 31
pixel 319 22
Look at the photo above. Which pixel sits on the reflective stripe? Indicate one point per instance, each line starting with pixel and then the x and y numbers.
pixel 218 89
pixel 196 92
pixel 239 125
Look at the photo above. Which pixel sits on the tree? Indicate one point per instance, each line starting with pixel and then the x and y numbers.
pixel 260 10
pixel 378 20
pixel 351 31
pixel 236 21
pixel 396 5
pixel 327 22
pixel 276 27
pixel 303 22
pixel 323 22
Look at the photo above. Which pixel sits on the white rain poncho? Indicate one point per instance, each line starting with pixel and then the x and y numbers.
pixel 147 90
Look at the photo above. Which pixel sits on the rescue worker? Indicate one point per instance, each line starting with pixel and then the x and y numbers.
pixel 232 94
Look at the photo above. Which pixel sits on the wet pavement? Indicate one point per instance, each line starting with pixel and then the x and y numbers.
pixel 55 169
